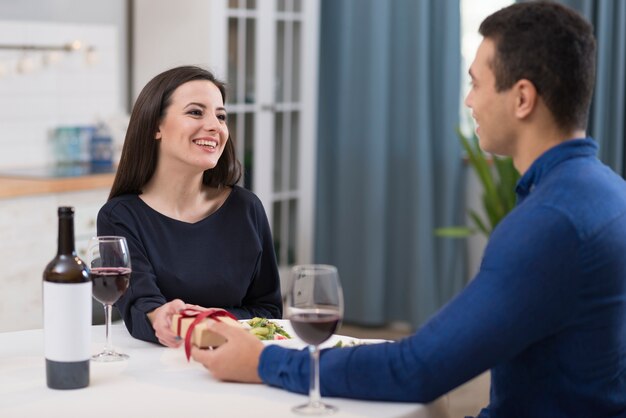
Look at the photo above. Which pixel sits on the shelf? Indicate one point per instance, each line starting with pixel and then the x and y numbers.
pixel 52 180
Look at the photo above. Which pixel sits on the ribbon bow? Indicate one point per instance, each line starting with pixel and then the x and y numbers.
pixel 213 313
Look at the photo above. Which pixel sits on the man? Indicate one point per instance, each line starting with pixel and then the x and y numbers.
pixel 547 310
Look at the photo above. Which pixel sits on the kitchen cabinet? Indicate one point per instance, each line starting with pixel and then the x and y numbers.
pixel 267 52
pixel 28 241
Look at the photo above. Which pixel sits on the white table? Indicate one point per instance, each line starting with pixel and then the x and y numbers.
pixel 155 382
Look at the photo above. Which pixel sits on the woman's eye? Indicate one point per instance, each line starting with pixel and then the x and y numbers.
pixel 195 112
pixel 222 117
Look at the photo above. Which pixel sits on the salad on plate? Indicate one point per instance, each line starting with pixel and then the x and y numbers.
pixel 267 330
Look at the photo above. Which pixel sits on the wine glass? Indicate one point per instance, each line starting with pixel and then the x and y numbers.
pixel 314 305
pixel 109 260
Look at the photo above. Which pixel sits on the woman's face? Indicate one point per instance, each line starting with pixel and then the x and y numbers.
pixel 193 131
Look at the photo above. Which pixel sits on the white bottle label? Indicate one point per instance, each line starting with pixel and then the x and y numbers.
pixel 67 321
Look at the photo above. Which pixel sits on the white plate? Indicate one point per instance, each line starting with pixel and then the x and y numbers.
pixel 331 342
pixel 297 343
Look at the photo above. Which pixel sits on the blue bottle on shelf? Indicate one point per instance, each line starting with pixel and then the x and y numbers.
pixel 101 149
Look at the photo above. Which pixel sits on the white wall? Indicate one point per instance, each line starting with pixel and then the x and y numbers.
pixel 109 12
pixel 169 33
pixel 51 104
pixel 70 92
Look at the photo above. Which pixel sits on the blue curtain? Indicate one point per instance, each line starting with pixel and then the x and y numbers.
pixel 607 118
pixel 389 162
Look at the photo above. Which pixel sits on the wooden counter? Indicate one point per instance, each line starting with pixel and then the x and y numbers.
pixel 14 186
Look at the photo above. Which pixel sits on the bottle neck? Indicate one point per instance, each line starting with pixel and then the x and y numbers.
pixel 66 235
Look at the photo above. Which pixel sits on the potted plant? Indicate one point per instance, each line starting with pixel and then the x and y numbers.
pixel 498 178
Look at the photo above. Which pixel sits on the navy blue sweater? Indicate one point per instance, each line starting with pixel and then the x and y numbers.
pixel 546 312
pixel 225 260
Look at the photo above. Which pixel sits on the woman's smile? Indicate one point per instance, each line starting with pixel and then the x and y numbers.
pixel 207 144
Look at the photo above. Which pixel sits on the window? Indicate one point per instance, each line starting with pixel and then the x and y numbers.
pixel 472 14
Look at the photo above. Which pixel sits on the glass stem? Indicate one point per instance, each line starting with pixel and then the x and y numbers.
pixel 107 319
pixel 314 384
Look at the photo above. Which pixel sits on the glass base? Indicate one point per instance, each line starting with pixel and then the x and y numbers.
pixel 109 356
pixel 314 408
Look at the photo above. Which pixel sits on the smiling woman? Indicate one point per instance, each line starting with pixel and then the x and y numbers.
pixel 196 238
pixel 193 132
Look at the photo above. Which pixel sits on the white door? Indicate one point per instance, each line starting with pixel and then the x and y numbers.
pixel 271 66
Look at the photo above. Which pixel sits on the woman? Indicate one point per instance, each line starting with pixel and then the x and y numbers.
pixel 195 237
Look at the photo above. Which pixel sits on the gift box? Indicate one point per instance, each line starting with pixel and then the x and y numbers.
pixel 192 326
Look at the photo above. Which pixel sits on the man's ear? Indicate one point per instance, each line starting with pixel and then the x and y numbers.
pixel 525 98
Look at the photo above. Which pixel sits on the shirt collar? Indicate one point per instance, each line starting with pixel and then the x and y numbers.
pixel 584 147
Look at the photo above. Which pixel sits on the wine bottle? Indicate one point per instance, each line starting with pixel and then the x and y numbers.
pixel 67 312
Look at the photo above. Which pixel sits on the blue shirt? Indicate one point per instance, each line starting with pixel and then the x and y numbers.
pixel 546 312
pixel 225 260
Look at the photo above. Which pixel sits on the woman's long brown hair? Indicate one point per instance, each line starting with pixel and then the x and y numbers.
pixel 140 152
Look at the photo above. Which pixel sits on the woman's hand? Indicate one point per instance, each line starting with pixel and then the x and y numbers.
pixel 161 319
pixel 237 360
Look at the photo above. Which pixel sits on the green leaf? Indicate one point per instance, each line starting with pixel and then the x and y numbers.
pixel 508 176
pixel 454 232
pixel 479 223
pixel 480 165
pixel 498 177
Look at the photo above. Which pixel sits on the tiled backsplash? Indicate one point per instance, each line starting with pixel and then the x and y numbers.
pixel 68 92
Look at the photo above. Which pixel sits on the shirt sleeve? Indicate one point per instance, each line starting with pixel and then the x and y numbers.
pixel 143 294
pixel 525 291
pixel 263 297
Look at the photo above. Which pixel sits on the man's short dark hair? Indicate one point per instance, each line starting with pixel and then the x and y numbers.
pixel 553 47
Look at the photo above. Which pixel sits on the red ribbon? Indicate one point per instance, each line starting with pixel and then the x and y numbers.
pixel 213 313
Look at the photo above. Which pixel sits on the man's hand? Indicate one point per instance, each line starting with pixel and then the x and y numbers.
pixel 236 360
pixel 161 319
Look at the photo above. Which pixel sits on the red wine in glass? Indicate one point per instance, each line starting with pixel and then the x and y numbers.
pixel 109 283
pixel 109 261
pixel 314 306
pixel 315 327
